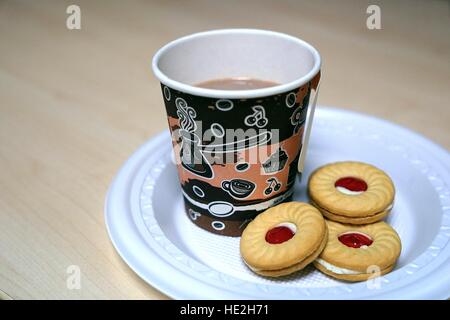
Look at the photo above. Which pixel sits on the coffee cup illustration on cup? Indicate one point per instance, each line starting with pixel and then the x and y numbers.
pixel 238 188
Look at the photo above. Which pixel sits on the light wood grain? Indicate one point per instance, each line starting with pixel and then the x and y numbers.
pixel 75 104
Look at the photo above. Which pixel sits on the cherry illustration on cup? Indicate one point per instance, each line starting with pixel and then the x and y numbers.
pixel 274 185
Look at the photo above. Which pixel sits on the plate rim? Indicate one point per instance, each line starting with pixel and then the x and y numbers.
pixel 166 287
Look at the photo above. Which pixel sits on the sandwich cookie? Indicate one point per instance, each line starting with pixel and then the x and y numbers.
pixel 283 239
pixel 357 253
pixel 351 192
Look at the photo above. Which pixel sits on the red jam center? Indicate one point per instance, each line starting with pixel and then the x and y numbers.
pixel 355 240
pixel 279 235
pixel 352 184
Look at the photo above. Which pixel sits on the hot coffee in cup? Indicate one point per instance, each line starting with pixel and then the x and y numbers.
pixel 239 104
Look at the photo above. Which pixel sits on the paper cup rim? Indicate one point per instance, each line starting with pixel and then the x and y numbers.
pixel 235 94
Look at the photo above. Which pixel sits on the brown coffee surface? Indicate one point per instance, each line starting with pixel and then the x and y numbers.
pixel 238 83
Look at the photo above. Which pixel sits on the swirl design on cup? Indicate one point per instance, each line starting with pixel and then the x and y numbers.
pixel 186 114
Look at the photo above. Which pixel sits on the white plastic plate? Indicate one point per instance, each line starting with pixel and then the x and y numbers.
pixel 148 227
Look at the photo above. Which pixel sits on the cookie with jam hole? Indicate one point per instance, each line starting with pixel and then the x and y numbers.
pixel 359 253
pixel 283 239
pixel 351 192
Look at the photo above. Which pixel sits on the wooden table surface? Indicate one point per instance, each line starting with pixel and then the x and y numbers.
pixel 74 104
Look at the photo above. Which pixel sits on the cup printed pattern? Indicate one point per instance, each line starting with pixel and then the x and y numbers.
pixel 261 168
